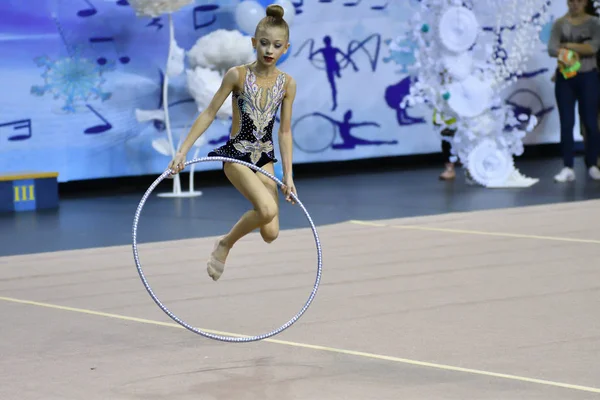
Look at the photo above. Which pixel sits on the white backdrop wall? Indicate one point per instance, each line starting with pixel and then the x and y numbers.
pixel 75 71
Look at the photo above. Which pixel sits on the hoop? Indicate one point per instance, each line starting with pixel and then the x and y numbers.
pixel 183 323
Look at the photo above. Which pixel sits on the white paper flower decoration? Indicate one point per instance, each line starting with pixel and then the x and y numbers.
pixel 461 72
pixel 470 97
pixel 459 66
pixel 490 163
pixel 221 50
pixel 156 8
pixel 458 29
pixel 203 83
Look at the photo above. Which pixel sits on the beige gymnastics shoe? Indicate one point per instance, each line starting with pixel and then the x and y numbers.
pixel 214 266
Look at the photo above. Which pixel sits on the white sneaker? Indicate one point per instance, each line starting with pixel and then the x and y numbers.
pixel 565 175
pixel 594 172
pixel 468 179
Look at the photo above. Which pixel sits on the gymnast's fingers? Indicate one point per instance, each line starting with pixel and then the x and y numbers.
pixel 289 197
pixel 171 170
pixel 287 191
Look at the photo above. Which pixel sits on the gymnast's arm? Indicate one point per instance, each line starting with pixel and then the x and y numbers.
pixel 285 129
pixel 208 115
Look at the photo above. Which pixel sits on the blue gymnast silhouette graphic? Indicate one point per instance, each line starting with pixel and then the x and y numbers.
pixel 332 65
pixel 335 60
pixel 394 95
pixel 348 140
pixel 344 127
pixel 316 140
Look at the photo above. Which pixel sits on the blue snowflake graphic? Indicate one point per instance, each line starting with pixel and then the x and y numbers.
pixel 402 52
pixel 546 31
pixel 74 79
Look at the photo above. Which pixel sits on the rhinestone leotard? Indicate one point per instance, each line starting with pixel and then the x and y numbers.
pixel 254 118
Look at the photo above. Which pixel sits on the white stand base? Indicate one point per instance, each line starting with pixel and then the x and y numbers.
pixel 177 192
pixel 195 193
pixel 515 180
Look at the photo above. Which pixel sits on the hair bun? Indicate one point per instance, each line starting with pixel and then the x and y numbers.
pixel 275 11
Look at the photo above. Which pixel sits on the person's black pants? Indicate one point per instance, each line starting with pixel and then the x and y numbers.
pixel 583 89
pixel 446 146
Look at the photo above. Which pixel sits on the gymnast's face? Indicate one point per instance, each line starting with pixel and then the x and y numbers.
pixel 270 45
pixel 577 7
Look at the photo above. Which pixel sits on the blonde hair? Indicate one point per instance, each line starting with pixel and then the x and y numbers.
pixel 274 19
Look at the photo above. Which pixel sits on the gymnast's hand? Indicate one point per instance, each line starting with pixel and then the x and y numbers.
pixel 177 163
pixel 289 188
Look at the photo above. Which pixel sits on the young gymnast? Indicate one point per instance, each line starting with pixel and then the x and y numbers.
pixel 258 90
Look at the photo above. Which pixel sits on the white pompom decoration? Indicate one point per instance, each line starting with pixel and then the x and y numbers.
pixel 202 84
pixel 156 8
pixel 221 50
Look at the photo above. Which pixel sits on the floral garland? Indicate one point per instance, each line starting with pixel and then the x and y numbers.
pixel 460 73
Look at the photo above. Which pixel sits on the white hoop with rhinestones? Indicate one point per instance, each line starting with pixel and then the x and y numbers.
pixel 166 174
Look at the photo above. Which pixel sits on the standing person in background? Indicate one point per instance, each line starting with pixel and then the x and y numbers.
pixel 591 10
pixel 439 119
pixel 575 38
pixel 449 172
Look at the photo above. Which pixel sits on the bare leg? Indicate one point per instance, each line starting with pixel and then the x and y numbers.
pixel 264 211
pixel 270 231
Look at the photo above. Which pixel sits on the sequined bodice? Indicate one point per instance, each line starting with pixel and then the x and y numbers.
pixel 260 102
pixel 257 105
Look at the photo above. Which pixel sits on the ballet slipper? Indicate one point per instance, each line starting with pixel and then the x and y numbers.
pixel 215 267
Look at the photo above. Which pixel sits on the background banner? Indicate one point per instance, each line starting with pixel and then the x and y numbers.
pixel 75 71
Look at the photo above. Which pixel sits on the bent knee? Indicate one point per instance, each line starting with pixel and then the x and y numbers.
pixel 270 235
pixel 267 212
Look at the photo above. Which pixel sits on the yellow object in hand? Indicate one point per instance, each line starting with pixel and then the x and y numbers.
pixel 568 63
